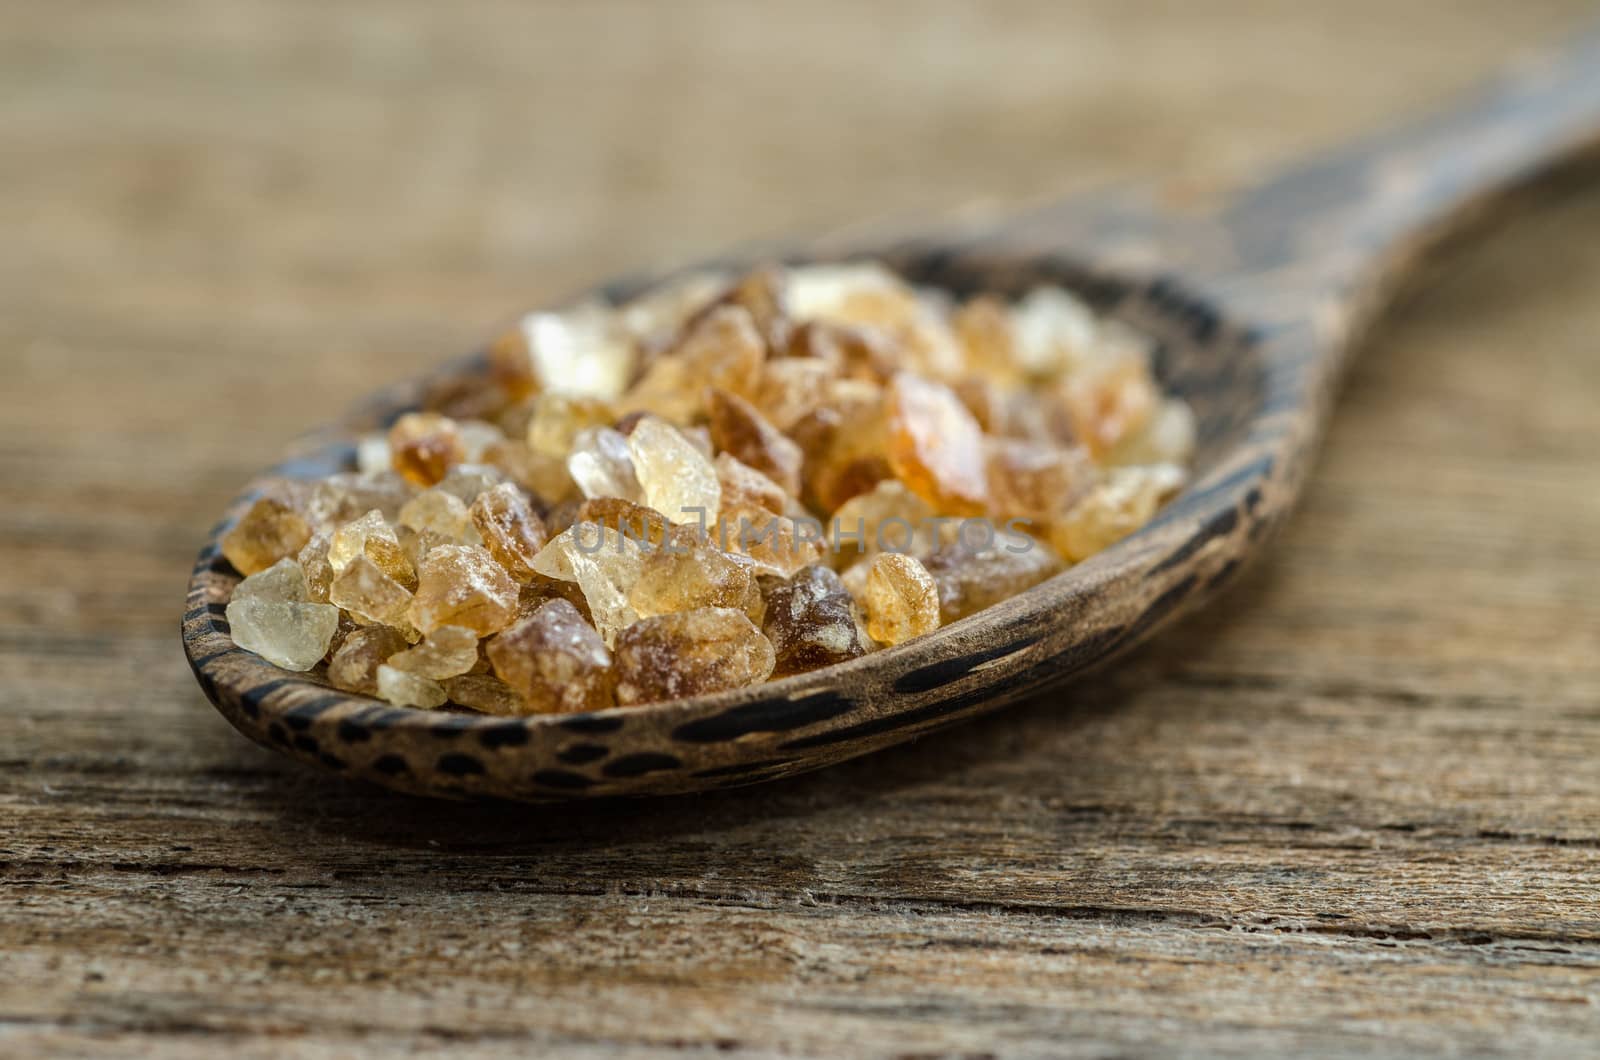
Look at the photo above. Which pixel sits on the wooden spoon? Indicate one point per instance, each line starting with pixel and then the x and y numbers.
pixel 1256 306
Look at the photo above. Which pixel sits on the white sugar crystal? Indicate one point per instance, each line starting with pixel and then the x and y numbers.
pixel 1054 331
pixel 372 454
pixel 289 634
pixel 601 464
pixel 679 481
pixel 408 690
pixel 605 563
pixel 582 350
pixel 283 582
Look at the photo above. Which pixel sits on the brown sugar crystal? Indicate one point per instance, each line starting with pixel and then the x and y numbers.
pixel 354 667
pixel 739 429
pixel 811 621
pixel 555 661
pixel 690 653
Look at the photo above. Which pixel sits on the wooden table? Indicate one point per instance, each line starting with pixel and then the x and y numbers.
pixel 1355 808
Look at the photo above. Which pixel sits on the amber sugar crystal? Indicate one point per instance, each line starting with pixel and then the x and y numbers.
pixel 462 585
pixel 727 479
pixel 902 598
pixel 511 530
pixel 269 530
pixel 935 445
pixel 739 430
pixel 425 446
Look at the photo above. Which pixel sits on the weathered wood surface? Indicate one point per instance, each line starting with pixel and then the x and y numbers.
pixel 1354 808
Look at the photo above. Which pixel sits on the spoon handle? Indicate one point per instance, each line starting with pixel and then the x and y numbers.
pixel 1300 264
pixel 1333 235
pixel 1329 237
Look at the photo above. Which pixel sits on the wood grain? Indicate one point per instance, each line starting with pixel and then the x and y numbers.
pixel 1352 809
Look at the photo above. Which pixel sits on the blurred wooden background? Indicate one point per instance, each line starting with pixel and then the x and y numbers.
pixel 1354 808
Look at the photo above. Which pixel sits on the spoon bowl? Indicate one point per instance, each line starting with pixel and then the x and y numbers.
pixel 1253 310
pixel 1013 649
